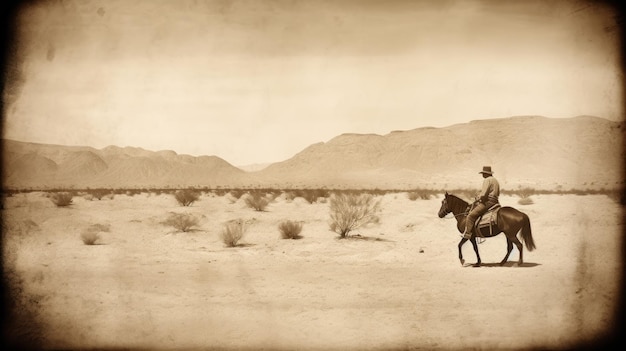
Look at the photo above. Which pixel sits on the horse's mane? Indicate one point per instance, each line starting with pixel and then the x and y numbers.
pixel 458 199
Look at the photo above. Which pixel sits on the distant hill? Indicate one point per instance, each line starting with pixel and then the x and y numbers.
pixel 30 165
pixel 581 152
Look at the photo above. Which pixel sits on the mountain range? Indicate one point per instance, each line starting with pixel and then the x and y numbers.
pixel 555 153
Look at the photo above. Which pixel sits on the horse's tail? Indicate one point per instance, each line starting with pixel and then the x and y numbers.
pixel 527 234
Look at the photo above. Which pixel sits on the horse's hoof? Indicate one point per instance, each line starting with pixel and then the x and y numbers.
pixel 462 261
pixel 476 265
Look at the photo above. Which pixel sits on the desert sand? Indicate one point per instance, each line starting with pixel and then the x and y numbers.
pixel 399 285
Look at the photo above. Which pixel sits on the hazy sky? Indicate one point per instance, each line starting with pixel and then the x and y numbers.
pixel 258 81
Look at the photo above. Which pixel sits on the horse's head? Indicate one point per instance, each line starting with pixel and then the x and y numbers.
pixel 444 210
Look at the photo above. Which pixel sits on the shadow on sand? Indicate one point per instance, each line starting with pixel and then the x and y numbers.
pixel 507 264
pixel 363 238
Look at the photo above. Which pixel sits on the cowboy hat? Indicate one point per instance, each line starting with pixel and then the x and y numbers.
pixel 486 170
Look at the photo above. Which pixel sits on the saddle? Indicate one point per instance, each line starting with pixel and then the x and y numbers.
pixel 486 223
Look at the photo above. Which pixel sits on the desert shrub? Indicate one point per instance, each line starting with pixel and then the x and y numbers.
pixel 89 238
pixel 219 192
pixel 61 199
pixel 269 193
pixel 100 227
pixel 524 194
pixel 321 193
pixel 233 231
pixel 91 234
pixel 237 193
pixel 234 195
pixel 419 194
pixel 289 196
pixel 186 197
pixel 351 211
pixel 118 191
pixel 257 201
pixel 156 192
pixel 99 193
pixel 525 201
pixel 290 229
pixel 312 195
pixel 181 221
pixel 132 192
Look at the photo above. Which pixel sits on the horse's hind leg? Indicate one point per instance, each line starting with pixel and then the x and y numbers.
pixel 509 248
pixel 520 248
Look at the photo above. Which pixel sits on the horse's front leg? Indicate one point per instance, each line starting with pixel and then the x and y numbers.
pixel 463 240
pixel 475 245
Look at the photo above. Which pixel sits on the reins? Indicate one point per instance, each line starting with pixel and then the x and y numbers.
pixel 457 215
pixel 469 208
pixel 465 213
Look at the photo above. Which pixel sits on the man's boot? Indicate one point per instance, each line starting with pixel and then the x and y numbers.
pixel 467 233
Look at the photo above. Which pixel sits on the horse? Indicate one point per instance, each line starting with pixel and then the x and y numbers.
pixel 509 221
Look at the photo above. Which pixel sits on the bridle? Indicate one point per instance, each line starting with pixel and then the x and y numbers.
pixel 465 213
pixel 468 209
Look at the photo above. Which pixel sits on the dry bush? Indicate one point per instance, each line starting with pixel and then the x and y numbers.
pixel 351 211
pixel 233 231
pixel 269 193
pixel 419 194
pixel 234 194
pixel 219 192
pixel 524 194
pixel 257 201
pixel 289 196
pixel 290 229
pixel 186 197
pixel 312 195
pixel 525 201
pixel 237 193
pixel 62 199
pixel 91 234
pixel 99 193
pixel 181 221
pixel 89 238
pixel 133 192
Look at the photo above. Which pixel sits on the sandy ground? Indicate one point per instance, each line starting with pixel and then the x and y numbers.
pixel 400 285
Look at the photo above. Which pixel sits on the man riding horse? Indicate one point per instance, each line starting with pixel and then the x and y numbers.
pixel 487 198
